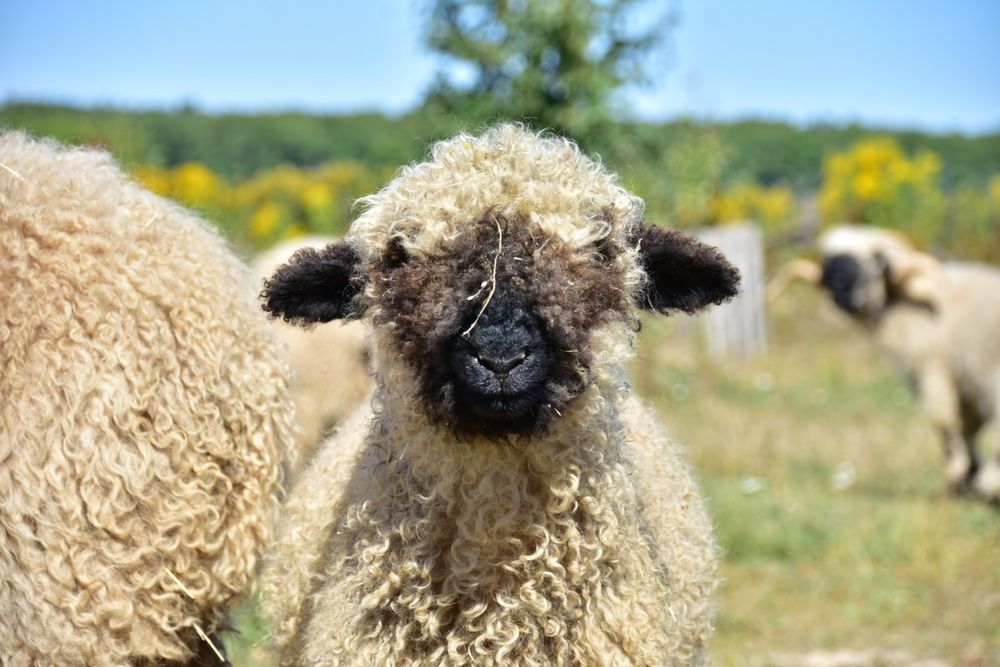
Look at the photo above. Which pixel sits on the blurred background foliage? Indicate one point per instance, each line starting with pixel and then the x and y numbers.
pixel 265 177
pixel 559 65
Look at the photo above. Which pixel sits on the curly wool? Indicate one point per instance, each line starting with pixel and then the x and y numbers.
pixel 586 543
pixel 144 419
pixel 512 173
pixel 330 363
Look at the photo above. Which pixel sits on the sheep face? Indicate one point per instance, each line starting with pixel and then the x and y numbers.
pixel 856 284
pixel 495 324
pixel 866 269
pixel 498 302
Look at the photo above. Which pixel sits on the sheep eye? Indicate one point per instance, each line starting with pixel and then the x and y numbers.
pixel 395 254
pixel 606 250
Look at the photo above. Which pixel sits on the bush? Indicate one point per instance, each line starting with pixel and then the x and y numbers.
pixel 275 204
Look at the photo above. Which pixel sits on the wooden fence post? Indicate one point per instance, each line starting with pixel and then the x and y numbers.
pixel 738 328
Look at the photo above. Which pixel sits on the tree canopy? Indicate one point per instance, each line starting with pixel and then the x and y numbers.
pixel 553 63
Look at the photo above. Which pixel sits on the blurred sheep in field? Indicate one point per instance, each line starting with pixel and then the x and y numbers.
pixel 938 322
pixel 501 501
pixel 331 363
pixel 144 419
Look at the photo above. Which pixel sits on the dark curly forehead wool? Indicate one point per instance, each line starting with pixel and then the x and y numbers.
pixel 425 302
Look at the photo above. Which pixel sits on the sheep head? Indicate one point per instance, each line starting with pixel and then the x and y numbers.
pixel 502 275
pixel 865 269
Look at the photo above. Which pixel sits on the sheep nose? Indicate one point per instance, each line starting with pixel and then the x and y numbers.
pixel 502 365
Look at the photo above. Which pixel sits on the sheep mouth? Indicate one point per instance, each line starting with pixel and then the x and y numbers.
pixel 486 403
pixel 502 403
pixel 500 376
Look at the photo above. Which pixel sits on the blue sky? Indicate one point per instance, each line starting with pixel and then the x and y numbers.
pixel 931 65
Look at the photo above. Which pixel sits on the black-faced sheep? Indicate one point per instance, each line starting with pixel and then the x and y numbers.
pixel 143 422
pixel 938 322
pixel 330 363
pixel 501 502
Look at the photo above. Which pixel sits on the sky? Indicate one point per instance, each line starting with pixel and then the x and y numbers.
pixel 897 63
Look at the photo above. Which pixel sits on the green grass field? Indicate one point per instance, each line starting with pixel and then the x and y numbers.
pixel 825 483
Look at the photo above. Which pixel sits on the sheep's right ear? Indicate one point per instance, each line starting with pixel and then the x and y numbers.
pixel 315 285
pixel 683 273
pixel 915 274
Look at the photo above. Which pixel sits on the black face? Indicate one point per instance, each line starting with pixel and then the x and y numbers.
pixel 841 274
pixel 527 358
pixel 502 366
pixel 517 367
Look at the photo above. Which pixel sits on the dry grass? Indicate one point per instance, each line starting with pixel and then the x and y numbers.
pixel 842 547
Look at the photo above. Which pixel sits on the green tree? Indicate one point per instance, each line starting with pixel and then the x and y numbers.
pixel 552 63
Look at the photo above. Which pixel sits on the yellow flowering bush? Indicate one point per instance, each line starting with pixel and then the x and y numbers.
pixel 875 182
pixel 191 183
pixel 277 203
pixel 771 207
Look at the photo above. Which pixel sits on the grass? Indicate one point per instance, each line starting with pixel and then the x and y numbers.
pixel 825 483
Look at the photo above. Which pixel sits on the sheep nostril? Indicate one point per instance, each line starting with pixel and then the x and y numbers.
pixel 502 364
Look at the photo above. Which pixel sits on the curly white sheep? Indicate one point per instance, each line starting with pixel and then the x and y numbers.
pixel 143 423
pixel 330 364
pixel 500 502
pixel 938 322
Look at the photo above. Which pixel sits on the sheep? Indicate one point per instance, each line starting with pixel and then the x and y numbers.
pixel 500 500
pixel 336 347
pixel 939 323
pixel 144 419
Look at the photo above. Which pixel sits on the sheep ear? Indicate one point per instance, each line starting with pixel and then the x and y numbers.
pixel 805 270
pixel 315 285
pixel 683 273
pixel 914 274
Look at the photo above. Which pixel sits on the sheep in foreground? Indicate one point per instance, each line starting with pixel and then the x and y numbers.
pixel 143 422
pixel 330 363
pixel 501 501
pixel 938 322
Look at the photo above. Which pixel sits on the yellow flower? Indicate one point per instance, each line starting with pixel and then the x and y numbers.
pixel 153 179
pixel 194 183
pixel 772 207
pixel 866 184
pixel 265 219
pixel 875 182
pixel 316 196
pixel 295 231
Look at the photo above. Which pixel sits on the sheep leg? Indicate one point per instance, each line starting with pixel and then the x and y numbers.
pixel 940 401
pixel 987 481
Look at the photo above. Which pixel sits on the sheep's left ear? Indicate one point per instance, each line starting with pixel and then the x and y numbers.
pixel 915 274
pixel 315 285
pixel 683 273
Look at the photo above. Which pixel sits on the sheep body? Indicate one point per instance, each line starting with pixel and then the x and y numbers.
pixel 339 348
pixel 143 422
pixel 951 357
pixel 938 323
pixel 618 567
pixel 567 532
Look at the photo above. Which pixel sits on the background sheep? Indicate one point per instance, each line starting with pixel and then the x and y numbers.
pixel 330 363
pixel 143 422
pixel 940 325
pixel 500 502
